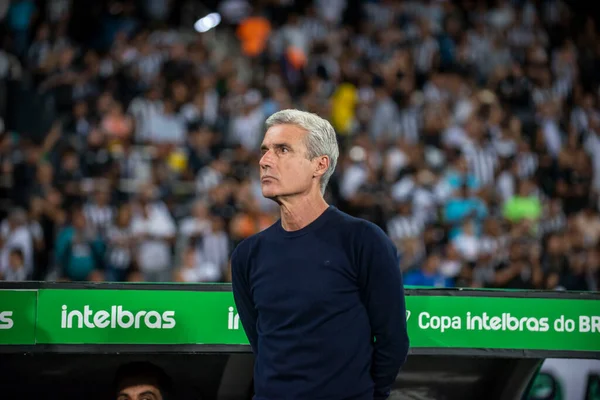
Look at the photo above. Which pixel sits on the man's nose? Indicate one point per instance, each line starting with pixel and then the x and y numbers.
pixel 266 160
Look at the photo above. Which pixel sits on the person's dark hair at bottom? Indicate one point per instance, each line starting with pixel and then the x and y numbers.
pixel 142 381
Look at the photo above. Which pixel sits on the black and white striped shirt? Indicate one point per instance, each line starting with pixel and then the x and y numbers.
pixel 214 249
pixel 482 163
pixel 579 119
pixel 99 217
pixel 149 66
pixel 380 16
pixel 520 37
pixel 552 224
pixel 314 29
pixel 119 256
pixel 410 121
pixel 424 53
pixel 144 111
pixel 207 178
pixel 404 227
pixel 527 163
pixel 368 47
pixel 560 90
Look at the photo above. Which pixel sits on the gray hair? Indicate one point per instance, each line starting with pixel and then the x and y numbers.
pixel 320 141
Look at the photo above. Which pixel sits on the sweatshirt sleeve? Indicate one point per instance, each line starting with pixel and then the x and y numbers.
pixel 383 295
pixel 242 295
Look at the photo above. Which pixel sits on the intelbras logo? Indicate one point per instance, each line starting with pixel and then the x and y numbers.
pixel 233 322
pixel 116 317
pixel 6 321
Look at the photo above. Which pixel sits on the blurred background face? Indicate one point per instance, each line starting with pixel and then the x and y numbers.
pixel 70 161
pixel 516 252
pixel 147 194
pixel 102 197
pixel 432 263
pixel 285 169
pixel 124 215
pixel 15 260
pixel 217 224
pixel 78 220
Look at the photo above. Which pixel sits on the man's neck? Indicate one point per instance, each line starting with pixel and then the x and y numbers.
pixel 298 213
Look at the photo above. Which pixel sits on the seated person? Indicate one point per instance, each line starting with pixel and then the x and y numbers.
pixel 142 381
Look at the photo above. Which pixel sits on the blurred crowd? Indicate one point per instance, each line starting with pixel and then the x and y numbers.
pixel 469 132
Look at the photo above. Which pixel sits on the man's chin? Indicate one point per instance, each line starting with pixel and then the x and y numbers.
pixel 268 194
pixel 271 195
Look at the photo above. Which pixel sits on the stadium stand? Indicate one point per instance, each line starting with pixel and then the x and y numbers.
pixel 470 132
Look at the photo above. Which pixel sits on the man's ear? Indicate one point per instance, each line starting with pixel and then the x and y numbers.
pixel 322 164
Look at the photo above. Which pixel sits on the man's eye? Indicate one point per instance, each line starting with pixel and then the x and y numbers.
pixel 284 149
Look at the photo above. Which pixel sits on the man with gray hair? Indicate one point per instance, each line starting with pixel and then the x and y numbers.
pixel 319 293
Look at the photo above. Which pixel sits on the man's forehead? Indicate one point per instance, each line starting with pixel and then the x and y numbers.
pixel 283 134
pixel 135 390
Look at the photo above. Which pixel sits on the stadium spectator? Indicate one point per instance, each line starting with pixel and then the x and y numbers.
pixel 15 235
pixel 429 274
pixel 465 132
pixel 15 271
pixel 78 251
pixel 154 230
pixel 120 245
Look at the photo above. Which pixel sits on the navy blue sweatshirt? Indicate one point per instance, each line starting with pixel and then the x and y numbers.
pixel 323 308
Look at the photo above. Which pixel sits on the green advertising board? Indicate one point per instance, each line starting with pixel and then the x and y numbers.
pixel 137 317
pixel 181 317
pixel 192 317
pixel 17 316
pixel 504 323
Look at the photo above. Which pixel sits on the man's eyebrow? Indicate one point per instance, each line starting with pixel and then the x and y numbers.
pixel 148 392
pixel 276 145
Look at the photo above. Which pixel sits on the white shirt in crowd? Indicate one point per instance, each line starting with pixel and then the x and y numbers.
pixel 467 246
pixel 450 268
pixel 18 275
pixel 352 179
pixel 208 113
pixel 19 238
pixel 201 272
pixel 191 226
pixel 247 129
pixel 552 137
pixel 154 253
pixel 167 128
pixel 214 249
pixel 506 186
pixel 592 146
pixel 207 178
pixel 143 111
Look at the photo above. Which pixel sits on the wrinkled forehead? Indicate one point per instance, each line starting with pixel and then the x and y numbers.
pixel 289 134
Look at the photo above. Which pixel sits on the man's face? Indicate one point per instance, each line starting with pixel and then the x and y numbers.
pixel 285 169
pixel 140 392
